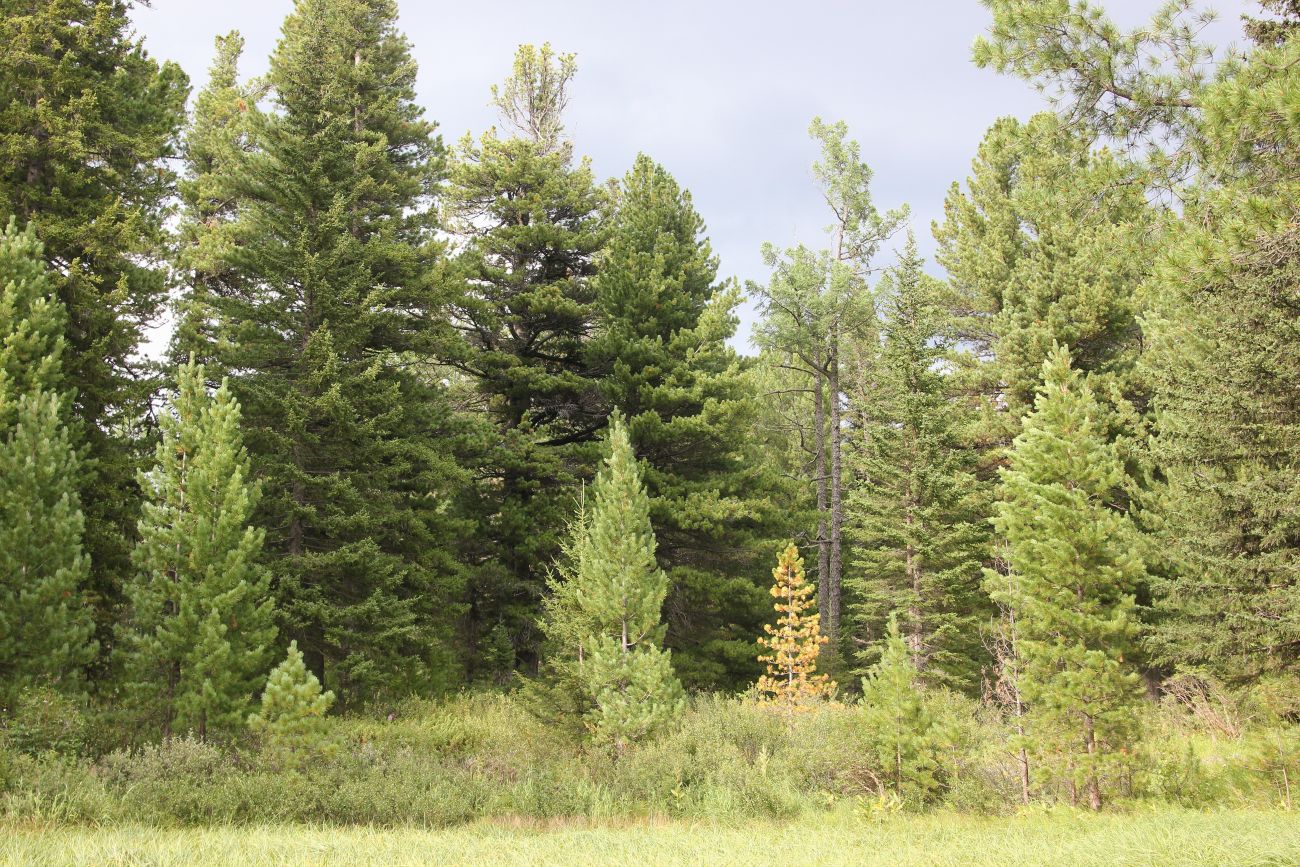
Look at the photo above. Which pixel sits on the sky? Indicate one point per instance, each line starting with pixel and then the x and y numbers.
pixel 720 92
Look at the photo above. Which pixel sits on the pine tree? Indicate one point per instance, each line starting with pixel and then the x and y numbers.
pixel 1222 339
pixel 530 220
pixel 660 351
pixel 89 120
pixel 915 508
pixel 215 151
pixel 616 593
pixel 327 317
pixel 794 642
pixel 899 724
pixel 291 722
pixel 1047 245
pixel 197 642
pixel 1074 568
pixel 45 628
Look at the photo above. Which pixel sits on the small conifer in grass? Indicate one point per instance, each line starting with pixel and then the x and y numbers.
pixel 1074 565
pixel 197 642
pixel 606 615
pixel 795 641
pixel 899 723
pixel 291 722
pixel 45 627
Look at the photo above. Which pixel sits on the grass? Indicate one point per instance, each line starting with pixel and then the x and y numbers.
pixel 1167 836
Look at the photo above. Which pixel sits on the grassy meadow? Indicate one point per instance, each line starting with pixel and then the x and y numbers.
pixel 1059 836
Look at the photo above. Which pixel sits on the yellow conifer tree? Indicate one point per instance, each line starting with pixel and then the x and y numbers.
pixel 795 641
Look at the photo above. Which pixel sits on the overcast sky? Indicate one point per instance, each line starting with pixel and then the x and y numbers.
pixel 719 91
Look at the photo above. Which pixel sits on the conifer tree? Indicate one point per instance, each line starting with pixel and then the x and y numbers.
pixel 327 317
pixel 530 220
pixel 216 147
pixel 291 721
pixel 915 509
pixel 1047 245
pixel 1074 566
pixel 89 121
pixel 660 351
pixel 45 627
pixel 1222 338
pixel 616 591
pixel 815 302
pixel 196 644
pixel 899 722
pixel 794 642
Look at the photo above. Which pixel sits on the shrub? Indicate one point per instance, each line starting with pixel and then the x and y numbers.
pixel 44 720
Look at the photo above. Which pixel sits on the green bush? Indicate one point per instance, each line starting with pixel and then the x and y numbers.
pixel 44 720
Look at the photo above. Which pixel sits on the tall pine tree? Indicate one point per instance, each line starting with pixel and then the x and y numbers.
pixel 327 314
pixel 915 509
pixel 45 626
pixel 608 631
pixel 530 221
pixel 197 642
pixel 1074 566
pixel 661 355
pixel 87 121
pixel 1222 354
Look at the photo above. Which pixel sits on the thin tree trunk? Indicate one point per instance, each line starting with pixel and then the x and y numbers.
pixel 1094 785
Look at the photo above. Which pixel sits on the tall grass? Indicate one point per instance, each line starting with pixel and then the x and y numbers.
pixel 1047 837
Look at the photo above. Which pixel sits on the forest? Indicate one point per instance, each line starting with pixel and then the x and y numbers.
pixel 454 497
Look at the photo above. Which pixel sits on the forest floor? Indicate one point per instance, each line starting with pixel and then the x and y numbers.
pixel 1168 836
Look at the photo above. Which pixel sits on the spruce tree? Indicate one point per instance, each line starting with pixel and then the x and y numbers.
pixel 1222 338
pixel 795 642
pixel 1074 567
pixel 45 627
pixel 291 721
pixel 215 149
pixel 89 121
pixel 197 641
pixel 660 352
pixel 900 727
pixel 327 317
pixel 915 508
pixel 530 220
pixel 616 593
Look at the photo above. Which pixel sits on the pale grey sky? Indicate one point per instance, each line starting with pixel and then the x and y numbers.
pixel 719 91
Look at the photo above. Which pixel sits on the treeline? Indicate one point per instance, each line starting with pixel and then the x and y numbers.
pixel 1064 471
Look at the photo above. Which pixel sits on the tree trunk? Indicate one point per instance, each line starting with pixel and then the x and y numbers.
pixel 1094 786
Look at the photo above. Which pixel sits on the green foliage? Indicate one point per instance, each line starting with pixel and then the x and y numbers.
pixel 44 720
pixel 1139 85
pixel 1074 565
pixel 197 641
pixel 606 626
pixel 899 722
pixel 291 722
pixel 1047 245
pixel 89 121
pixel 914 507
pixel 661 353
pixel 1228 434
pixel 45 628
pixel 319 298
pixel 531 221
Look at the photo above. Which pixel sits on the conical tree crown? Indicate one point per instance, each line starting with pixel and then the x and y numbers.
pixel 292 720
pixel 795 642
pixel 45 627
